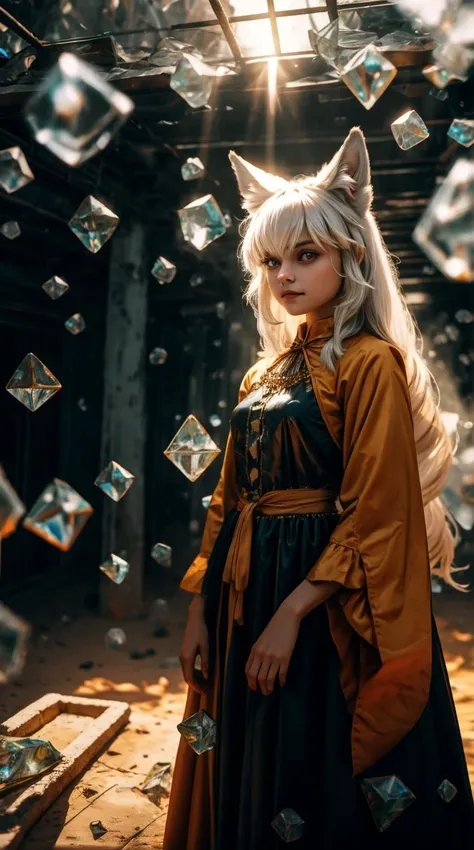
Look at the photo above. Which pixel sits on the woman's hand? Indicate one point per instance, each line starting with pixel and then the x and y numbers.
pixel 195 642
pixel 272 652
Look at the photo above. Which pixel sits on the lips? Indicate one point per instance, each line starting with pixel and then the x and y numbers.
pixel 291 294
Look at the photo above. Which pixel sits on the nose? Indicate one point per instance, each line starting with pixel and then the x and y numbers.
pixel 286 272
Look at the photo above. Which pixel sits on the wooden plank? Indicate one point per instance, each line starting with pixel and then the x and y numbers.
pixel 23 807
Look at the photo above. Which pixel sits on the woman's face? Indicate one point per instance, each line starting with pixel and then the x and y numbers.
pixel 313 275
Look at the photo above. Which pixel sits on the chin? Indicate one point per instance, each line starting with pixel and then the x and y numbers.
pixel 294 309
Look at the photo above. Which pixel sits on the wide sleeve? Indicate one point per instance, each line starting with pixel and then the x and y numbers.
pixel 224 497
pixel 378 550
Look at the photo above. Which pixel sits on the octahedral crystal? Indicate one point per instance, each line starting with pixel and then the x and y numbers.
pixel 75 324
pixel 115 568
pixel 55 287
pixel 114 480
pixel 32 383
pixel 14 170
pixel 163 270
pixel 199 730
pixel 387 797
pixel 192 449
pixel 368 74
pixel 58 515
pixel 93 223
pixel 202 221
pixel 447 791
pixel 288 825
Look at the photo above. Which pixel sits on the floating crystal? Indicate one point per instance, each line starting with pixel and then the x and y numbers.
pixel 14 170
pixel 192 449
pixel 465 317
pixel 22 758
pixel 75 324
pixel 436 585
pixel 447 791
pixel 206 501
pixel 368 74
pixel 161 553
pixel 160 611
pixel 444 231
pixel 97 828
pixel 11 507
pixel 196 279
pixel 58 515
pixel 163 270
pixel 11 229
pixel 192 80
pixel 74 112
pixel 289 825
pixel 158 356
pixel 82 405
pixel 32 383
pixel 337 44
pixel 93 223
pixel 388 797
pixel 14 636
pixel 409 130
pixel 115 568
pixel 440 77
pixel 462 131
pixel 157 780
pixel 114 480
pixel 215 420
pixel 202 221
pixel 169 51
pixel 199 730
pixel 55 287
pixel 115 638
pixel 192 169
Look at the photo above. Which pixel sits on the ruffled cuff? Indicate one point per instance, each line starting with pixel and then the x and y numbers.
pixel 339 563
pixel 193 578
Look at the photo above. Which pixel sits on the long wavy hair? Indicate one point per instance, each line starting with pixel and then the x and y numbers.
pixel 334 207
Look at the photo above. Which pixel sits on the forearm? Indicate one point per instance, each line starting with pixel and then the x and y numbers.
pixel 197 603
pixel 308 595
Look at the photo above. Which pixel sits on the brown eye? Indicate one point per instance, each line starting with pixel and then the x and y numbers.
pixel 305 254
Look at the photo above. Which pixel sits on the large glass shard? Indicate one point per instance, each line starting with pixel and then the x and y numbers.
pixel 162 554
pixel 115 639
pixel 192 449
pixel 23 758
pixel 157 780
pixel 202 221
pixel 11 506
pixel 447 791
pixel 462 131
pixel 58 515
pixel 14 637
pixel 337 44
pixel 14 170
pixel 115 568
pixel 409 130
pixel 11 229
pixel 114 480
pixel 192 169
pixel 169 51
pixel 368 74
pixel 32 383
pixel 55 287
pixel 440 77
pixel 75 324
pixel 193 80
pixel 74 111
pixel 444 231
pixel 158 356
pixel 199 730
pixel 387 797
pixel 93 223
pixel 163 270
pixel 288 825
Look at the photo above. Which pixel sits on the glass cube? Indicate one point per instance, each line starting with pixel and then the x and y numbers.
pixel 199 730
pixel 14 170
pixel 409 130
pixel 93 224
pixel 58 515
pixel 202 221
pixel 55 287
pixel 288 825
pixel 192 449
pixel 75 324
pixel 462 131
pixel 368 74
pixel 162 554
pixel 192 169
pixel 32 383
pixel 163 270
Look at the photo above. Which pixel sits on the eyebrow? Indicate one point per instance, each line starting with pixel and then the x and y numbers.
pixel 305 242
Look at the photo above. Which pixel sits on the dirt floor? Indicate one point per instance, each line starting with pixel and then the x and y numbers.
pixel 156 693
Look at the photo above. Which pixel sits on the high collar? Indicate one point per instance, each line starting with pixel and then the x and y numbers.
pixel 315 329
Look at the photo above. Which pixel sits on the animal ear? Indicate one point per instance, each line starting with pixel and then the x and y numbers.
pixel 349 169
pixel 255 185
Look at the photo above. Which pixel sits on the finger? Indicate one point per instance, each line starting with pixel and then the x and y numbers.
pixel 252 674
pixel 204 653
pixel 270 679
pixel 262 676
pixel 187 666
pixel 282 675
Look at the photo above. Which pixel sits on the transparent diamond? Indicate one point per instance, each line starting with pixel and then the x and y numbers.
pixel 440 77
pixel 192 169
pixel 11 229
pixel 158 356
pixel 368 75
pixel 97 828
pixel 199 730
pixel 55 287
pixel 289 825
pixel 444 231
pixel 114 481
pixel 11 506
pixel 115 638
pixel 192 80
pixel 215 420
pixel 447 791
pixel 14 170
pixel 93 223
pixel 32 383
pixel 115 568
pixel 75 324
pixel 22 758
pixel 202 221
pixel 196 279
pixel 14 637
pixel 206 501
pixel 58 515
pixel 74 111
pixel 409 130
pixel 387 797
pixel 157 780
pixel 163 270
pixel 192 449
pixel 162 553
pixel 462 131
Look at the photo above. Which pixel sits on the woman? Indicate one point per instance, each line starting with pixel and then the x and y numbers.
pixel 321 662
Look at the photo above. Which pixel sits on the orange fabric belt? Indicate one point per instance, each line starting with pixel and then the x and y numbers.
pixel 237 565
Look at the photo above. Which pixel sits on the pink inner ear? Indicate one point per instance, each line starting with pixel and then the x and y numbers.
pixel 352 187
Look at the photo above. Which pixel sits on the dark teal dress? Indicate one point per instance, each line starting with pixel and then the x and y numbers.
pixel 291 749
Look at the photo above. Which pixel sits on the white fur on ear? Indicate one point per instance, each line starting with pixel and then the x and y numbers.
pixel 349 169
pixel 255 185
